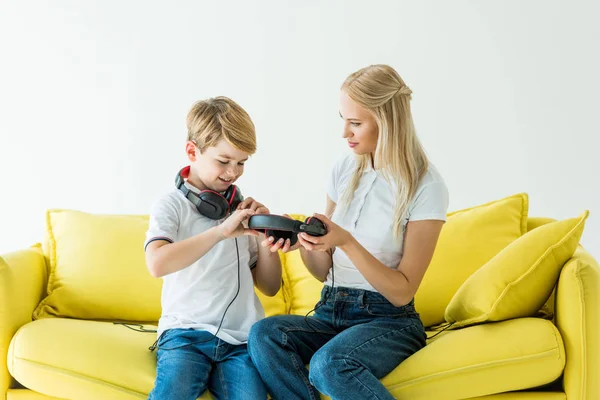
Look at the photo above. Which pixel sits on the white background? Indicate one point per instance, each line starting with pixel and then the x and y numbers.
pixel 93 98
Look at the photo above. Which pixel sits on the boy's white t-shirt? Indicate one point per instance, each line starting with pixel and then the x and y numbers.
pixel 369 218
pixel 196 297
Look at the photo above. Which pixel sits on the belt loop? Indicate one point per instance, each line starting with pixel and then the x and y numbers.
pixel 361 298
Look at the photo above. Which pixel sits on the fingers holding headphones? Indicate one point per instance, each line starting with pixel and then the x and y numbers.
pixel 276 245
pixel 233 226
pixel 336 236
pixel 251 204
pixel 245 203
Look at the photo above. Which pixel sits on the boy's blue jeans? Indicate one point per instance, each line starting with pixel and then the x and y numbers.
pixel 186 372
pixel 354 338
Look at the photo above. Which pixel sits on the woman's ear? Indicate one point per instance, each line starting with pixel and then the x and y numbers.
pixel 190 150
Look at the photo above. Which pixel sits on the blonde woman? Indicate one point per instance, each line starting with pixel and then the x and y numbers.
pixel 387 205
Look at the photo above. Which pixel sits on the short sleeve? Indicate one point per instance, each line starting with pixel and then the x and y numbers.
pixel 164 222
pixel 253 248
pixel 430 202
pixel 341 171
pixel 332 183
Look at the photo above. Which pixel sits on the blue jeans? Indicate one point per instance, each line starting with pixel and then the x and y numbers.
pixel 186 368
pixel 355 338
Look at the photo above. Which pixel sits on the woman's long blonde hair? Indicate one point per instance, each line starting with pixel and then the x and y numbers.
pixel 399 154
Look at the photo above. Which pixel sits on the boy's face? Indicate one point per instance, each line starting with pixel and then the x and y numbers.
pixel 217 168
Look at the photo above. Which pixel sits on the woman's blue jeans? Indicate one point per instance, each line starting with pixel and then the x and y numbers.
pixel 355 338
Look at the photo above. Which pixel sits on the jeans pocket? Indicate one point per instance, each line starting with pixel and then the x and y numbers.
pixel 387 310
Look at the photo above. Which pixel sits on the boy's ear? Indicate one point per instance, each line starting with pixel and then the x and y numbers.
pixel 190 150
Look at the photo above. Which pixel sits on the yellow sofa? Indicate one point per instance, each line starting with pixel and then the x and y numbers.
pixel 52 352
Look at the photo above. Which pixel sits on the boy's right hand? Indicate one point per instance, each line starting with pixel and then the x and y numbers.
pixel 234 227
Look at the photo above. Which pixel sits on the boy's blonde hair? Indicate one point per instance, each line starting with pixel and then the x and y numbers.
pixel 399 154
pixel 211 120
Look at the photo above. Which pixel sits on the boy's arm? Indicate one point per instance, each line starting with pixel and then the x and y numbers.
pixel 267 273
pixel 164 257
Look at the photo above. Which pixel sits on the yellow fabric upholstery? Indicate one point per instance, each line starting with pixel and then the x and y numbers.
pixel 518 280
pixel 87 357
pixel 24 394
pixel 104 276
pixel 274 305
pixel 524 396
pixel 113 362
pixel 480 360
pixel 22 284
pixel 304 289
pixel 98 269
pixel 96 360
pixel 469 239
pixel 578 320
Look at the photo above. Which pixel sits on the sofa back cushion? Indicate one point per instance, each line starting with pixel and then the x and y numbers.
pixel 97 269
pixel 469 238
pixel 519 279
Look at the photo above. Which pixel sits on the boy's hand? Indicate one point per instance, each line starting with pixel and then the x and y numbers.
pixel 233 226
pixel 280 244
pixel 251 204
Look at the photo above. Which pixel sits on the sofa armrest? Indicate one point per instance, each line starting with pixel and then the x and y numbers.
pixel 23 277
pixel 578 320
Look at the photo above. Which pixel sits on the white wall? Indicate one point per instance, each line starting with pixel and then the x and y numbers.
pixel 93 98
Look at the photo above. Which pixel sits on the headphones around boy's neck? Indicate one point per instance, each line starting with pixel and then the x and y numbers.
pixel 209 203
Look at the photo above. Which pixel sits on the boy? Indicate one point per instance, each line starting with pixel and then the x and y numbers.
pixel 210 262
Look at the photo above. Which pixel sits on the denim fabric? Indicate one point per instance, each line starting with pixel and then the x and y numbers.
pixel 355 338
pixel 192 361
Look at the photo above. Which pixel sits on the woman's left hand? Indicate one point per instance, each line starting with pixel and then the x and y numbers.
pixel 336 236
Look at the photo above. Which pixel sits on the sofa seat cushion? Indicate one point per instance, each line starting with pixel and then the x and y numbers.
pixel 69 358
pixel 481 360
pixel 79 359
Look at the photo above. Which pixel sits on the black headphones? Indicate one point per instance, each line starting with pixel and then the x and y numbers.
pixel 281 227
pixel 209 203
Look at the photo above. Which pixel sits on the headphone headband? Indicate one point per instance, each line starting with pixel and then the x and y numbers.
pixel 272 222
pixel 209 203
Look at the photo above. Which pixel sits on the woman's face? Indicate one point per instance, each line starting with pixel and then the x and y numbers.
pixel 360 126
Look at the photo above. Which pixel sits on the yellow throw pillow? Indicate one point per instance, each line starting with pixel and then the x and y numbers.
pixel 469 238
pixel 519 279
pixel 98 269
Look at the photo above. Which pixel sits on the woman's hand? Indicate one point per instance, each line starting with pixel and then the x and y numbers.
pixel 336 236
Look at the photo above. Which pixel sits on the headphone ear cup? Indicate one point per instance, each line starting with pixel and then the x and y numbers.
pixel 234 196
pixel 316 223
pixel 282 235
pixel 212 205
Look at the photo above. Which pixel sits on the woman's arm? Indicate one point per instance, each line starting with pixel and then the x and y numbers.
pixel 398 285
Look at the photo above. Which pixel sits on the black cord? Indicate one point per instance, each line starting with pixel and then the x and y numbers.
pixel 155 344
pixel 442 330
pixel 135 327
pixel 319 304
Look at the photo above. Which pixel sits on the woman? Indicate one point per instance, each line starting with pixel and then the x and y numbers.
pixel 387 205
